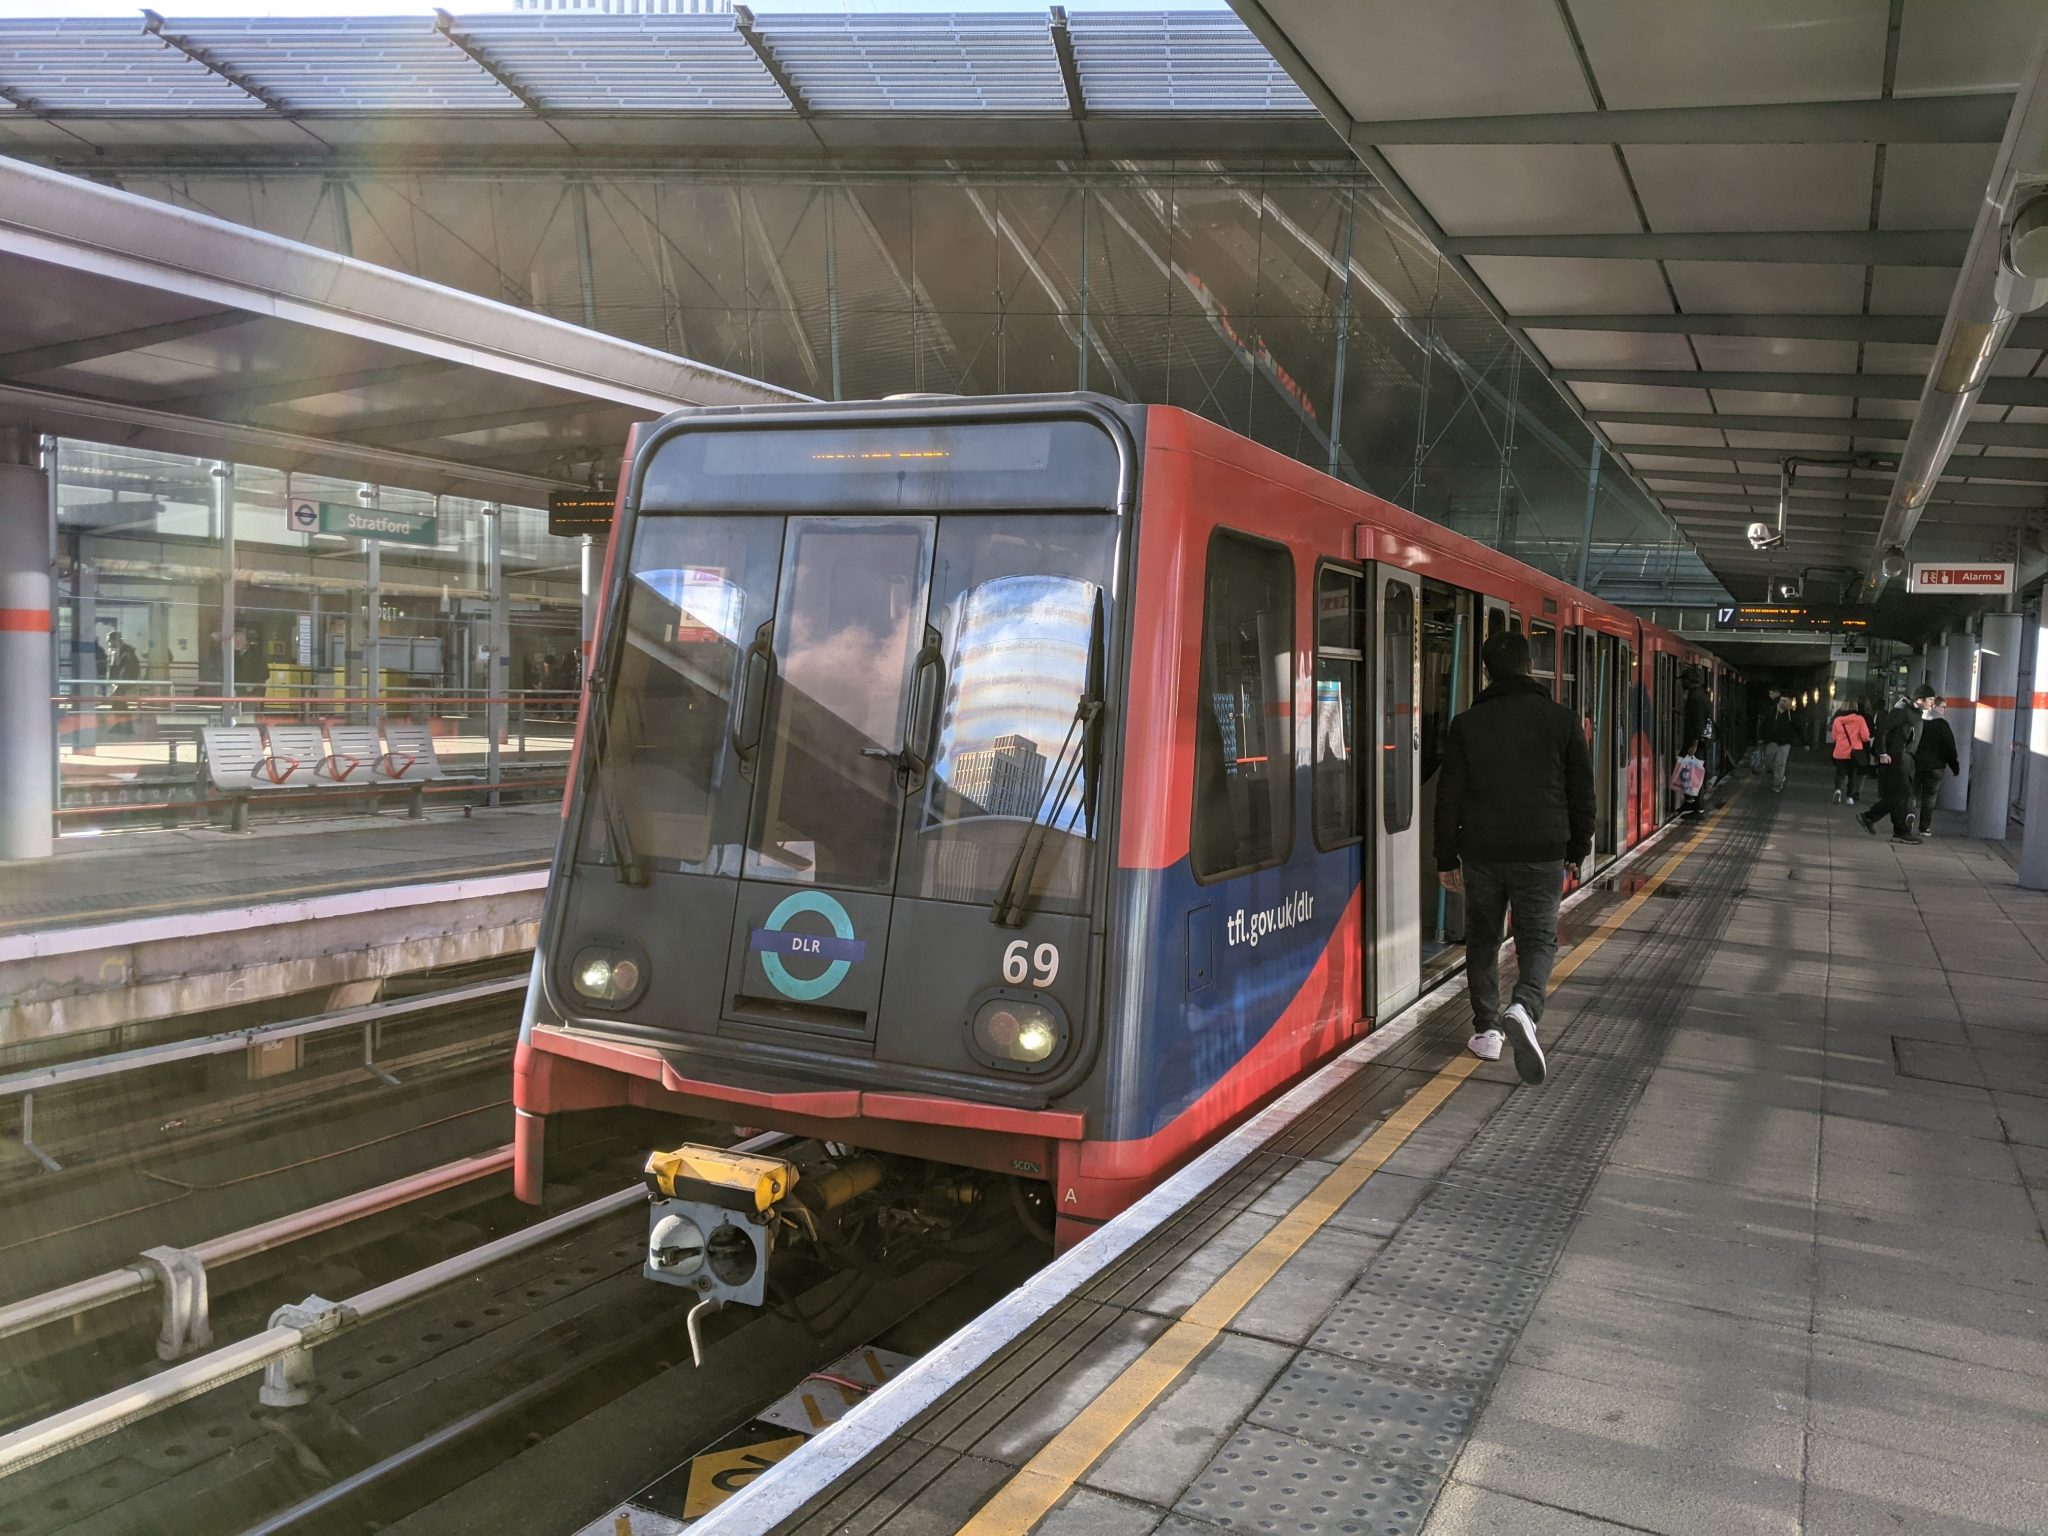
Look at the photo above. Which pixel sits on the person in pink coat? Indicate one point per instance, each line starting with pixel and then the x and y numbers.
pixel 1850 733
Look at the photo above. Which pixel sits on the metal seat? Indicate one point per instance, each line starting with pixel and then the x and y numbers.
pixel 303 746
pixel 409 756
pixel 353 754
pixel 238 765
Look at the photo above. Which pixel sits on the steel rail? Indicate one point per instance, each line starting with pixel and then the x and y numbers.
pixel 25 1085
pixel 102 1415
pixel 135 1280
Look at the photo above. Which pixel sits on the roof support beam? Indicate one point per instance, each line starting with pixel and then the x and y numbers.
pixel 1070 72
pixel 445 25
pixel 743 20
pixel 1975 493
pixel 1962 119
pixel 2000 434
pixel 1869 386
pixel 28 360
pixel 284 391
pixel 1851 247
pixel 1920 329
pixel 400 428
pixel 1984 467
pixel 153 24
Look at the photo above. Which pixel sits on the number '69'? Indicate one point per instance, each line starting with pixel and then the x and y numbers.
pixel 1041 965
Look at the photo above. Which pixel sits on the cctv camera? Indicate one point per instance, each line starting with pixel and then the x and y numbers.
pixel 1763 536
pixel 1894 562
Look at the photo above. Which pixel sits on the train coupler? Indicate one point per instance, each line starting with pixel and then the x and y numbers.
pixel 712 1220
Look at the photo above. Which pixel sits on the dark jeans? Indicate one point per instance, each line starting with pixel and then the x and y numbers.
pixel 1928 785
pixel 1532 892
pixel 1895 786
pixel 1848 777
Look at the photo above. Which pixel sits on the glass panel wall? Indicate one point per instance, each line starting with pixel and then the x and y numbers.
pixel 187 599
pixel 1292 303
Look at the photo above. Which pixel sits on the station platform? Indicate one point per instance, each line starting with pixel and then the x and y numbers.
pixel 1764 1254
pixel 101 934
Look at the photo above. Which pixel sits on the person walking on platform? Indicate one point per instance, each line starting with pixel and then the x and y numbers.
pixel 1781 735
pixel 1898 735
pixel 1697 727
pixel 1514 810
pixel 1937 751
pixel 1849 733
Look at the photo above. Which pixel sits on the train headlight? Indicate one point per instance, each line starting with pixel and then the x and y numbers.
pixel 611 973
pixel 1019 1031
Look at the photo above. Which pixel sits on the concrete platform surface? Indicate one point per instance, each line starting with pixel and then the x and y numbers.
pixel 96 880
pixel 1765 1254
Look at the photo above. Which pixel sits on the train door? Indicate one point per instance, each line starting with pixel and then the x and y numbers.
pixel 1449 664
pixel 1397 831
pixel 1609 781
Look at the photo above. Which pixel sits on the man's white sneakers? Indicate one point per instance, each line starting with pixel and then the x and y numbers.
pixel 1521 1030
pixel 1486 1044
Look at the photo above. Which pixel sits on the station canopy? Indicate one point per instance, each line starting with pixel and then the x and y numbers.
pixel 1037 84
pixel 1729 231
pixel 129 321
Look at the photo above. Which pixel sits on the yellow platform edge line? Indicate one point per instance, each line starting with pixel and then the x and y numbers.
pixel 1037 1487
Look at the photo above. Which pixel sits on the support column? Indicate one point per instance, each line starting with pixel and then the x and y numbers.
pixel 373 629
pixel 85 654
pixel 2034 837
pixel 220 477
pixel 1991 766
pixel 587 628
pixel 1959 690
pixel 498 670
pixel 27 725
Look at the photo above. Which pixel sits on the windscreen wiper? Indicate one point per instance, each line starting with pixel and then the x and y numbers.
pixel 618 830
pixel 1013 896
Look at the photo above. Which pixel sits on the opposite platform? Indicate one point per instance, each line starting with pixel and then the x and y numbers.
pixel 1765 1254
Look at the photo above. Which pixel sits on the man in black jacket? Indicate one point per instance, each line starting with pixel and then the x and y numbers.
pixel 1513 805
pixel 1895 741
pixel 1937 751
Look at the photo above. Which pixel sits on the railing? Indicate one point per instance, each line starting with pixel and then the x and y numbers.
pixel 26 1084
pixel 133 747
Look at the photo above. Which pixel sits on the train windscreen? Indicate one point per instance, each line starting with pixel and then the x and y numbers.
pixel 864 697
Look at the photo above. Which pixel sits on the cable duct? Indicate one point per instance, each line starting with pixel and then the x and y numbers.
pixel 2004 275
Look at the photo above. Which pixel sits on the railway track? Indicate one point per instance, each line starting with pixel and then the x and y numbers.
pixel 510 1359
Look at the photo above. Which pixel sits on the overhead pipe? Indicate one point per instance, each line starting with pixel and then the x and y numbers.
pixel 2004 275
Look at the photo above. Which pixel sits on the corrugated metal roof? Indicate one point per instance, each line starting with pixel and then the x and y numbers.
pixel 937 63
pixel 351 63
pixel 1189 61
pixel 1157 63
pixel 108 66
pixel 605 63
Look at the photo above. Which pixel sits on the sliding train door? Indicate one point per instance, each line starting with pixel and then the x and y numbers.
pixel 1396 829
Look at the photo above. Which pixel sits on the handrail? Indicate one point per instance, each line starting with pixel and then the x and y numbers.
pixel 136 1279
pixel 116 1062
pixel 313 1322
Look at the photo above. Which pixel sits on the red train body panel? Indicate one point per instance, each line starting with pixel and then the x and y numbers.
pixel 1247 912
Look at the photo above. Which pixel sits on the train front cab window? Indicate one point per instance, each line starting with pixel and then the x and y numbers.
pixel 833 727
pixel 1244 716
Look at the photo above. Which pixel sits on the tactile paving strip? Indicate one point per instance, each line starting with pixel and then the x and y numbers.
pixel 1278 1486
pixel 1378 1330
pixel 1397 1372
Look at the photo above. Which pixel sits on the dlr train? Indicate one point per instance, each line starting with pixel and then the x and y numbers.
pixel 1025 785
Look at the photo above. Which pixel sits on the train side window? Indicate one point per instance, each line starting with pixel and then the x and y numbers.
pixel 1397 728
pixel 1543 654
pixel 1339 655
pixel 1244 710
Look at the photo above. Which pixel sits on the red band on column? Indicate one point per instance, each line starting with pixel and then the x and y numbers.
pixel 1998 700
pixel 25 621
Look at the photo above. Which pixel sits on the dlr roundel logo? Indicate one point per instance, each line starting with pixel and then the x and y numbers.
pixel 779 946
